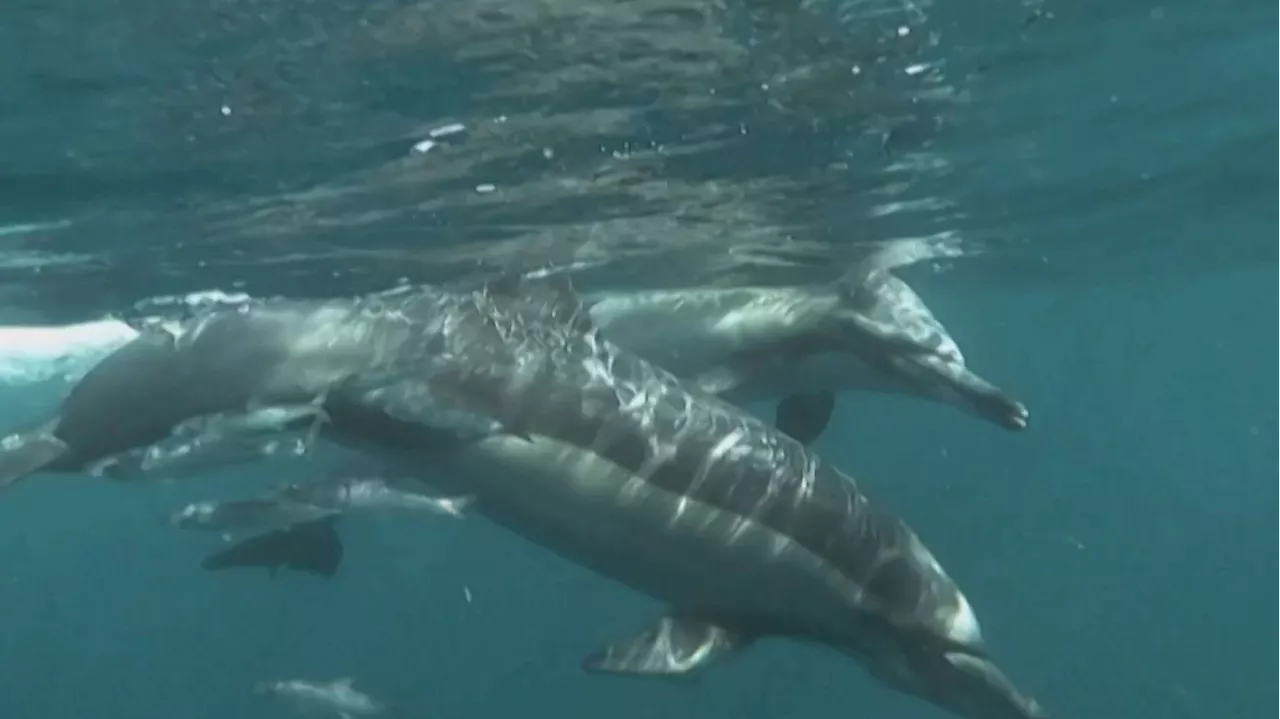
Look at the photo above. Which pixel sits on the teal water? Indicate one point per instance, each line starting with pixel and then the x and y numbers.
pixel 1114 551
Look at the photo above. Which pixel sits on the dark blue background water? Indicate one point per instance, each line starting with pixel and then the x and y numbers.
pixel 1117 552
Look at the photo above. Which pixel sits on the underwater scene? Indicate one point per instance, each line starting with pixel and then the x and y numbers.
pixel 640 359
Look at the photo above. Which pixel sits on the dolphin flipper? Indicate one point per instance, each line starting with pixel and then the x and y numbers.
pixel 804 416
pixel 674 647
pixel 23 453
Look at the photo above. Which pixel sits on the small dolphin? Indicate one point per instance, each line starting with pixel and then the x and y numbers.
pixel 312 547
pixel 248 515
pixel 796 346
pixel 304 501
pixel 799 345
pixel 742 532
pixel 338 697
pixel 373 494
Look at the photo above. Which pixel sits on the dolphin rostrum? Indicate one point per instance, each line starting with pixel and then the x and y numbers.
pixel 228 376
pixel 799 345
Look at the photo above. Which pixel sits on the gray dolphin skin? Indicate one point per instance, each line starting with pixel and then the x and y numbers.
pixel 609 461
pixel 270 361
pixel 508 393
pixel 867 332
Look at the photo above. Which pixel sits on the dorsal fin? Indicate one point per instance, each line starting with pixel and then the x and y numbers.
pixel 548 295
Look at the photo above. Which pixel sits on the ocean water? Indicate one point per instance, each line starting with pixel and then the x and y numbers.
pixel 1081 192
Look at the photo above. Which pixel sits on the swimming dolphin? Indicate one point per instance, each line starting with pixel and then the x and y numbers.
pixel 248 515
pixel 373 494
pixel 611 462
pixel 869 331
pixel 305 502
pixel 794 345
pixel 604 458
pixel 337 697
pixel 230 374
pixel 312 547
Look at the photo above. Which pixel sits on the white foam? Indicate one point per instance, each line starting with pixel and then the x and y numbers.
pixel 32 354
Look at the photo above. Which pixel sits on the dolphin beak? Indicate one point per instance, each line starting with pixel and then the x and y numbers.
pixel 999 408
pixel 969 686
pixel 977 688
pixel 981 398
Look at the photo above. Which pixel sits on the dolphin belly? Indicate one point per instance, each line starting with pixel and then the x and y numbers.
pixel 680 551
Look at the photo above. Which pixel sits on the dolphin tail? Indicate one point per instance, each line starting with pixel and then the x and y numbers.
pixel 24 453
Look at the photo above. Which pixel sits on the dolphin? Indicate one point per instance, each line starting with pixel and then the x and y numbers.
pixel 796 346
pixel 228 375
pixel 312 547
pixel 305 502
pixel 800 345
pixel 612 462
pixel 511 392
pixel 372 494
pixel 337 697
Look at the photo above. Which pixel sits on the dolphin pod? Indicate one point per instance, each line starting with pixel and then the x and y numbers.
pixel 795 346
pixel 510 393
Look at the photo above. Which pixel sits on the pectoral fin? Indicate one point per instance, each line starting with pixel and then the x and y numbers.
pixel 24 453
pixel 805 416
pixel 674 647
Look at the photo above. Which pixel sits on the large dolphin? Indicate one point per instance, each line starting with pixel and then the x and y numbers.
pixel 596 454
pixel 799 345
pixel 611 462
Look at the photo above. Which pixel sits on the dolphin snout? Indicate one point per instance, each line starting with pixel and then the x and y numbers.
pixel 987 401
pixel 1005 411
